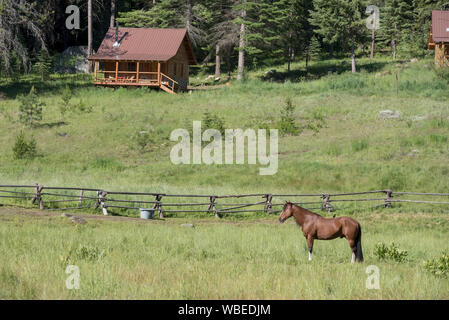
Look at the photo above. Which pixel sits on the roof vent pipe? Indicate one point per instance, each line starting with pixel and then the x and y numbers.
pixel 116 43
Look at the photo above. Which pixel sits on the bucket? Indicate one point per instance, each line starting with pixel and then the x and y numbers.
pixel 146 213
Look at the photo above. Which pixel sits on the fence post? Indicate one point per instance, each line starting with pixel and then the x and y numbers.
pixel 212 207
pixel 100 201
pixel 97 203
pixel 81 197
pixel 388 198
pixel 38 196
pixel 158 206
pixel 326 203
pixel 268 206
pixel 103 195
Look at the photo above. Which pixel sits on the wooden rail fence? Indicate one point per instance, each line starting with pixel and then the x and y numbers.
pixel 49 198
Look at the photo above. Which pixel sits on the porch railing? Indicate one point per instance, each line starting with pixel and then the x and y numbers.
pixel 134 77
pixel 169 82
pixel 124 77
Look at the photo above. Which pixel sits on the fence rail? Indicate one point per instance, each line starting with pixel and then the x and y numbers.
pixel 49 198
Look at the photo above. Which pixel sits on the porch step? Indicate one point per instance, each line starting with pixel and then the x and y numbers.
pixel 166 89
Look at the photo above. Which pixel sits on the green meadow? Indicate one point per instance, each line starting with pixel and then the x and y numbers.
pixel 343 144
pixel 119 140
pixel 261 259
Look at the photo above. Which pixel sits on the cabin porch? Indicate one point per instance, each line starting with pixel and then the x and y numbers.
pixel 134 73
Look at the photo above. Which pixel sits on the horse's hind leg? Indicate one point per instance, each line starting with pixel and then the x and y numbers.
pixel 310 246
pixel 353 249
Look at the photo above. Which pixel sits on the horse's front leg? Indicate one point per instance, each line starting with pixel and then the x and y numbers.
pixel 310 246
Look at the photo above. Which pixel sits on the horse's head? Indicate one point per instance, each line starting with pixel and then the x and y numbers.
pixel 287 212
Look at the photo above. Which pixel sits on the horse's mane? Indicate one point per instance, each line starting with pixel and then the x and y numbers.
pixel 306 210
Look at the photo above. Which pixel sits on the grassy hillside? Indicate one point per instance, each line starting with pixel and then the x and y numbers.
pixel 119 140
pixel 343 146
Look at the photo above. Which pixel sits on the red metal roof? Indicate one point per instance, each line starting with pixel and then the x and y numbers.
pixel 143 44
pixel 440 26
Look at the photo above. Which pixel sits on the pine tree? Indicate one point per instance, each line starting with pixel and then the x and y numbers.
pixel 397 21
pixel 314 48
pixel 187 14
pixel 422 15
pixel 338 21
pixel 286 28
pixel 223 33
pixel 30 109
pixel 44 65
pixel 66 96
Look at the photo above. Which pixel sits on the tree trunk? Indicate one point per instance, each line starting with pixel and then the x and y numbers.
pixel 188 15
pixel 89 32
pixel 307 62
pixel 290 51
pixel 217 61
pixel 353 57
pixel 113 8
pixel 241 63
pixel 393 46
pixel 373 30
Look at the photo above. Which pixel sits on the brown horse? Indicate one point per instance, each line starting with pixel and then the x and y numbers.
pixel 317 227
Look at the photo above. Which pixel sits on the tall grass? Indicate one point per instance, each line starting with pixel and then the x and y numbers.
pixel 213 260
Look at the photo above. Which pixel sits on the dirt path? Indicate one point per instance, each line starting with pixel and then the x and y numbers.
pixel 9 212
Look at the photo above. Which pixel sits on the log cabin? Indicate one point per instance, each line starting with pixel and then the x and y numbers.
pixel 439 37
pixel 144 57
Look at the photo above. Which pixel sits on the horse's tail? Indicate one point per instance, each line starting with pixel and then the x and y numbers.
pixel 358 244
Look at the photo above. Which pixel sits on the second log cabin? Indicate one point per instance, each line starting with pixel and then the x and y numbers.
pixel 439 37
pixel 144 57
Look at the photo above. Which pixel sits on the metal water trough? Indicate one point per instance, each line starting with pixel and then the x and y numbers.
pixel 146 213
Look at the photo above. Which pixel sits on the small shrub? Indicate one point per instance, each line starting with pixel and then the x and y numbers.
pixel 393 179
pixel 391 252
pixel 347 82
pixel 441 73
pixel 333 150
pixel 87 253
pixel 438 266
pixel 107 164
pixel 213 121
pixel 44 65
pixel 437 139
pixel 287 124
pixel 30 110
pixel 24 149
pixel 82 107
pixel 316 121
pixel 359 145
pixel 66 96
pixel 439 122
pixel 143 138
